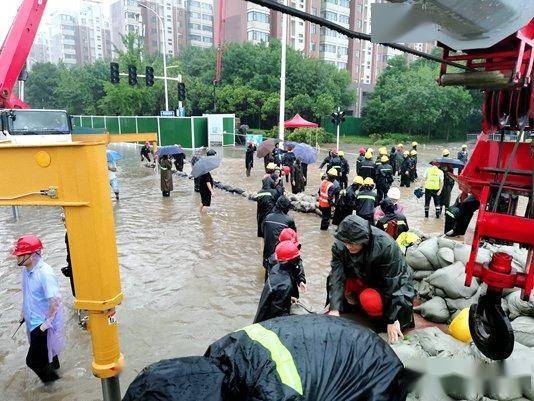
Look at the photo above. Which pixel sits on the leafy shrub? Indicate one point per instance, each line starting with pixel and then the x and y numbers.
pixel 307 135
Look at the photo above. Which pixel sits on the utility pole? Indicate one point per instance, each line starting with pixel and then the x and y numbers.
pixel 337 118
pixel 281 117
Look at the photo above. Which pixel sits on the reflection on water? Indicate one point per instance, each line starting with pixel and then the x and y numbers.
pixel 187 279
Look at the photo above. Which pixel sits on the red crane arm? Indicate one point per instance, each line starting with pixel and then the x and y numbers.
pixel 16 48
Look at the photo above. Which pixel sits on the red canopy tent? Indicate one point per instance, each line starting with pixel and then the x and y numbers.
pixel 299 122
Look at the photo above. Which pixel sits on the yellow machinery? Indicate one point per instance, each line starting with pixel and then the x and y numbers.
pixel 74 176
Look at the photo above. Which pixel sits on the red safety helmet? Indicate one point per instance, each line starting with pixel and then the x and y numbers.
pixel 27 244
pixel 362 151
pixel 250 143
pixel 286 170
pixel 286 251
pixel 288 234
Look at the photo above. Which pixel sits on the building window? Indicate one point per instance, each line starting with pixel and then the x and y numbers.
pixel 301 40
pixel 313 29
pixel 258 16
pixel 207 39
pixel 359 24
pixel 326 48
pixel 359 8
pixel 342 65
pixel 207 28
pixel 207 17
pixel 314 10
pixel 312 46
pixel 301 23
pixel 196 38
pixel 357 54
pixel 344 19
pixel 330 16
pixel 332 1
pixel 258 36
pixel 197 27
pixel 343 51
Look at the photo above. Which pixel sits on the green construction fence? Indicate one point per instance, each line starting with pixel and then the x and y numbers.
pixel 351 127
pixel 190 132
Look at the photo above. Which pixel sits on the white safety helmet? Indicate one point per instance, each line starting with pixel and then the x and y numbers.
pixel 394 193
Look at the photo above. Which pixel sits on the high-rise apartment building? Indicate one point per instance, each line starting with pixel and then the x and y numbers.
pixel 93 36
pixel 63 37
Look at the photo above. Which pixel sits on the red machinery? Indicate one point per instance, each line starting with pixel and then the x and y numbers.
pixel 500 175
pixel 16 48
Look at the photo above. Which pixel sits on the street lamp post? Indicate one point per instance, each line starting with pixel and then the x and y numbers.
pixel 164 53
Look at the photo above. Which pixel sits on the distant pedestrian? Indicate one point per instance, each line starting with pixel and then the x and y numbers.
pixel 193 161
pixel 393 159
pixel 326 160
pixel 249 157
pixel 206 190
pixel 41 310
pixel 288 159
pixel 298 181
pixel 179 160
pixel 165 167
pixel 146 151
pixel 113 181
pixel 393 194
pixel 277 154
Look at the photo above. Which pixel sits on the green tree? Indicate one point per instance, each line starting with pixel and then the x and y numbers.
pixel 41 85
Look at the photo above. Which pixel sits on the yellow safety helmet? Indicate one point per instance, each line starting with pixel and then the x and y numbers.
pixel 445 153
pixel 414 143
pixel 332 172
pixel 340 153
pixel 406 153
pixel 384 159
pixel 382 150
pixel 368 181
pixel 400 145
pixel 358 180
pixel 370 150
pixel 413 152
pixel 459 327
pixel 368 155
pixel 464 146
pixel 271 166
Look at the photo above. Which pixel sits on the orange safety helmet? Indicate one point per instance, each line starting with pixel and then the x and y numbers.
pixel 26 245
pixel 286 251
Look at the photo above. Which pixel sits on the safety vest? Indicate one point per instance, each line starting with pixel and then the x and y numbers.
pixel 432 181
pixel 324 199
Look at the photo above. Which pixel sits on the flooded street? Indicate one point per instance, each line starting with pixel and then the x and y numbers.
pixel 187 279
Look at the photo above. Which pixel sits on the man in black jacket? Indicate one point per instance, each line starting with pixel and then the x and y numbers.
pixel 366 201
pixel 345 169
pixel 392 222
pixel 384 178
pixel 367 167
pixel 281 287
pixel 249 157
pixel 369 271
pixel 273 225
pixel 266 199
pixel 326 160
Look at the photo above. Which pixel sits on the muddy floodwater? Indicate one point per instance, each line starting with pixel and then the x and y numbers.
pixel 187 279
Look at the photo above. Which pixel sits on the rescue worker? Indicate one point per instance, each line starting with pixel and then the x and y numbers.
pixel 292 358
pixel 463 156
pixel 458 217
pixel 384 178
pixel 281 288
pixel 165 167
pixel 366 200
pixel 288 159
pixel 265 199
pixel 382 151
pixel 433 185
pixel 327 197
pixel 249 157
pixel 179 160
pixel 335 162
pixel 267 160
pixel 413 153
pixel 342 208
pixel 113 181
pixel 392 159
pixel 399 158
pixel 369 271
pixel 367 168
pixel 393 194
pixel 277 154
pixel 146 151
pixel 352 192
pixel 413 171
pixel 298 181
pixel 273 225
pixel 406 169
pixel 41 309
pixel 360 159
pixel 288 234
pixel 392 222
pixel 448 184
pixel 326 160
pixel 345 169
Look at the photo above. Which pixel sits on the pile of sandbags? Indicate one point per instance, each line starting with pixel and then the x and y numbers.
pixel 303 203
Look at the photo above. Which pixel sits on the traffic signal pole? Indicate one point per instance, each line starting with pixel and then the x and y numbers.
pixel 281 116
pixel 337 131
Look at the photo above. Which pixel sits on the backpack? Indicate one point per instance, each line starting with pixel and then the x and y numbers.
pixel 392 228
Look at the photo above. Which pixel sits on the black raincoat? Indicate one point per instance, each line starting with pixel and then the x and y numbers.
pixel 280 286
pixel 342 209
pixel 365 204
pixel 294 358
pixel 367 169
pixel 249 156
pixel 380 265
pixel 299 273
pixel 273 225
pixel 326 160
pixel 359 162
pixel 266 201
pixel 388 207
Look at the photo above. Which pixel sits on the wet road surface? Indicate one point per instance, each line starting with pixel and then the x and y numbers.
pixel 187 279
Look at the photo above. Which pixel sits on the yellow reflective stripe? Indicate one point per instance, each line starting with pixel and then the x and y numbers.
pixel 401 223
pixel 264 194
pixel 450 214
pixel 285 365
pixel 366 197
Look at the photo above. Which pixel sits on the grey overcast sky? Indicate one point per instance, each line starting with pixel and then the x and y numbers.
pixel 8 9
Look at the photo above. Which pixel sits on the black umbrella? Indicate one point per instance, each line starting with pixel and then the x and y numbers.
pixel 266 147
pixel 205 165
pixel 449 161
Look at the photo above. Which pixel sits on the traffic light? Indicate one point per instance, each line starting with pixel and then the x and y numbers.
pixel 337 117
pixel 149 76
pixel 181 91
pixel 114 73
pixel 132 75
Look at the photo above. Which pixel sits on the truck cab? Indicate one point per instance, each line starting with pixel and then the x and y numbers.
pixel 35 126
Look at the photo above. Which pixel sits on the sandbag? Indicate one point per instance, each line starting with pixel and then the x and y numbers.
pixel 461 253
pixel 421 274
pixel 519 255
pixel 524 330
pixel 439 293
pixel 435 342
pixel 434 310
pixel 425 290
pixel 460 303
pixel 429 248
pixel 444 242
pixel 417 260
pixel 451 280
pixel 483 256
pixel 517 307
pixel 445 256
pixel 504 388
pixel 461 388
pixel 406 350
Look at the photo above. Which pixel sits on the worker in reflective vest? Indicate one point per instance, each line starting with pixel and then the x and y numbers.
pixel 433 186
pixel 448 183
pixel 327 194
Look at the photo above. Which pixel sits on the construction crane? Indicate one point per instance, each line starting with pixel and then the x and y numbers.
pixel 219 39
pixel 19 123
pixel 491 45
